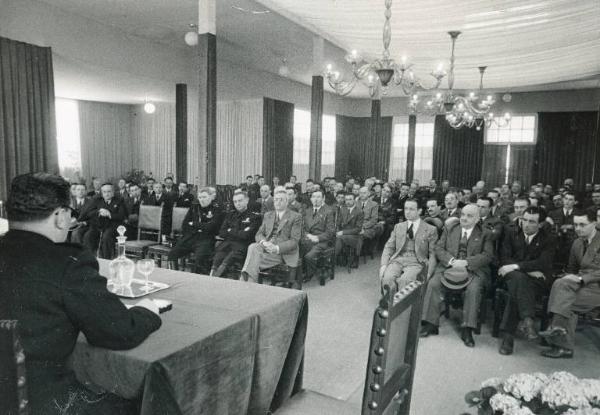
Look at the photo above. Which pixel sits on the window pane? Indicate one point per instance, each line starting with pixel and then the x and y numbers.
pixel 520 130
pixel 301 144
pixel 67 138
pixel 398 152
pixel 423 152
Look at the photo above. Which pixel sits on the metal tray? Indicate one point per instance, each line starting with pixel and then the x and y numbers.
pixel 137 288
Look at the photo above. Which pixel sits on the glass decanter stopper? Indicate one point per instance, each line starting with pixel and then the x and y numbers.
pixel 121 268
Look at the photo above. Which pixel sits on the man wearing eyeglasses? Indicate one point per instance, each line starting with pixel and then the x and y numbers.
pixel 55 292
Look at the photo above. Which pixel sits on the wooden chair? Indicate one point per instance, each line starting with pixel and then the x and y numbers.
pixel 283 275
pixel 160 252
pixel 149 222
pixel 13 383
pixel 326 265
pixel 391 366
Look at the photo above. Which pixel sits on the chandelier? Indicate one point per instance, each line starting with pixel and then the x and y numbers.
pixel 381 73
pixel 470 111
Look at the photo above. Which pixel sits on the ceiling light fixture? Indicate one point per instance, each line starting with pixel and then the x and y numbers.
pixel 191 37
pixel 284 71
pixel 149 107
pixel 383 72
pixel 473 110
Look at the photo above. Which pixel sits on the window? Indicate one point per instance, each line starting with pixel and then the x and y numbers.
pixel 67 138
pixel 302 145
pixel 328 147
pixel 522 130
pixel 423 151
pixel 398 151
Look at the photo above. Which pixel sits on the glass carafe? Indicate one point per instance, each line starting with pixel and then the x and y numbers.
pixel 121 268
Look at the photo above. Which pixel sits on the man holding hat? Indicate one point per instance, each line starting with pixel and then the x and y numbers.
pixel 464 253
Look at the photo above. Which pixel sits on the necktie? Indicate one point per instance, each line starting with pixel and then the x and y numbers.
pixel 315 211
pixel 410 233
pixel 464 238
pixel 585 246
pixel 528 239
pixel 363 206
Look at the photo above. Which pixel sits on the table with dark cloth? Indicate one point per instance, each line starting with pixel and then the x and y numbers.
pixel 226 347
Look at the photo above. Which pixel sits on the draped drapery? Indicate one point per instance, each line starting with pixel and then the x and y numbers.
pixel 494 164
pixel 27 113
pixel 352 137
pixel 376 160
pixel 566 147
pixel 105 136
pixel 457 154
pixel 521 164
pixel 239 140
pixel 278 139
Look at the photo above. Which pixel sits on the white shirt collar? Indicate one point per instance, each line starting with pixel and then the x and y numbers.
pixel 529 238
pixel 468 231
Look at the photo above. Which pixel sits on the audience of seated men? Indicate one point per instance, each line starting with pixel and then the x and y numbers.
pixel 277 239
pixel 106 214
pixel 55 292
pixel 200 226
pixel 410 247
pixel 576 292
pixel 526 256
pixel 318 232
pixel 236 233
pixel 464 253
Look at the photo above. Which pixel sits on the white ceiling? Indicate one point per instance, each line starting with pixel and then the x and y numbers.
pixel 526 44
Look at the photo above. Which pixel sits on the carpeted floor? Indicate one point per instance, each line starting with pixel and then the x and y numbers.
pixel 337 345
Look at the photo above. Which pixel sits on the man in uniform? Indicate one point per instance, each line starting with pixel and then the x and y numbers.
pixel 576 292
pixel 237 232
pixel 277 239
pixel 410 246
pixel 105 216
pixel 200 226
pixel 55 292
pixel 464 253
pixel 319 232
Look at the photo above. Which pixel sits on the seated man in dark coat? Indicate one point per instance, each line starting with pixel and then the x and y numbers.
pixel 132 206
pixel 54 291
pixel 237 232
pixel 319 232
pixel 81 205
pixel 349 225
pixel 184 198
pixel 200 226
pixel 526 267
pixel 106 215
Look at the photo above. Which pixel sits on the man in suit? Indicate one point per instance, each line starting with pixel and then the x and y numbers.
pixel 402 197
pixel 433 215
pixel 170 190
pixel 371 228
pixel 410 246
pixel 451 209
pixel 107 213
pixel 132 207
pixel 265 200
pixel 122 190
pixel 297 186
pixel 576 292
pixel 319 232
pixel 81 205
pixel 184 197
pixel 516 190
pixel 200 226
pixel 349 225
pixel 386 213
pixel 514 219
pixel 562 219
pixel 293 204
pixel 277 239
pixel 55 292
pixel 236 233
pixel 464 253
pixel 497 210
pixel 526 267
pixel 158 197
pixel 489 224
pixel 96 184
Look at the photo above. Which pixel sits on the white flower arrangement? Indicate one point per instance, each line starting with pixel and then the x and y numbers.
pixel 525 386
pixel 504 403
pixel 564 389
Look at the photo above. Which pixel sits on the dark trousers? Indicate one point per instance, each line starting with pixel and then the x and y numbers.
pixel 226 253
pixel 105 238
pixel 202 249
pixel 522 292
pixel 311 253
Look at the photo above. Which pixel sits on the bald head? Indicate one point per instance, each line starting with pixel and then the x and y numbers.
pixel 469 216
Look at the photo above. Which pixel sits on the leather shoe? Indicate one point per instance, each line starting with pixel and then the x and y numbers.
pixel 528 330
pixel 429 329
pixel 506 348
pixel 558 353
pixel 466 335
pixel 553 332
pixel 245 275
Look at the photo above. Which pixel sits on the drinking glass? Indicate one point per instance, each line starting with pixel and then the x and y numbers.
pixel 145 267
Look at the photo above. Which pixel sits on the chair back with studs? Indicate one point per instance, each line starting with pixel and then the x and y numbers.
pixel 150 220
pixel 393 351
pixel 13 388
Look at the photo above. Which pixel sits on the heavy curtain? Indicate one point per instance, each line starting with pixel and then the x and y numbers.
pixel 27 115
pixel 352 137
pixel 521 164
pixel 376 159
pixel 239 140
pixel 494 164
pixel 105 137
pixel 566 147
pixel 278 139
pixel 457 154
